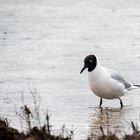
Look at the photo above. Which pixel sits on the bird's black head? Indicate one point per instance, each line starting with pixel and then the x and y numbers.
pixel 90 62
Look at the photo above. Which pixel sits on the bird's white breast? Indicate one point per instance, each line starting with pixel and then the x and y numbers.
pixel 103 85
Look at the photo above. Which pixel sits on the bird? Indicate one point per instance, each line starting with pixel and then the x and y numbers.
pixel 106 83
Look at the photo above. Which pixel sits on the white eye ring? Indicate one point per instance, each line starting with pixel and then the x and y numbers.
pixel 90 61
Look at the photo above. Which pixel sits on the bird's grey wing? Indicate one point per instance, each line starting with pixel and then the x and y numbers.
pixel 115 75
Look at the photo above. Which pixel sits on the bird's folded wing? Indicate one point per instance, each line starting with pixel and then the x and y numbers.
pixel 116 76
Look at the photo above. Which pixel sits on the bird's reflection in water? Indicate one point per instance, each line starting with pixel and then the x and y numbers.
pixel 111 119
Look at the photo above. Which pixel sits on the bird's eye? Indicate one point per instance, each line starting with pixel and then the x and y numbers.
pixel 90 61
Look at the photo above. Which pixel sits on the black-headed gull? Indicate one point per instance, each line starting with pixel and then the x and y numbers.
pixel 105 83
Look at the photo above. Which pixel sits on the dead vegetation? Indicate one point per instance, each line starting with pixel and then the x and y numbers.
pixel 36 131
pixel 32 133
pixel 31 118
pixel 44 132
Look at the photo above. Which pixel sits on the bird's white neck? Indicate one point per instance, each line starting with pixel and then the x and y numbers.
pixel 96 72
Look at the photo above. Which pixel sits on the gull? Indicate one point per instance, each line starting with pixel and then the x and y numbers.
pixel 105 83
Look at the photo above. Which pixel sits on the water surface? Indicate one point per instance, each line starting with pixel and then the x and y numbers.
pixel 43 44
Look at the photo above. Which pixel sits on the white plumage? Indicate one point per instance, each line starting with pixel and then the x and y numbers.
pixel 105 83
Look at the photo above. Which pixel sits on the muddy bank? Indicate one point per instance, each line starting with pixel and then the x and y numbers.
pixel 43 133
pixel 35 133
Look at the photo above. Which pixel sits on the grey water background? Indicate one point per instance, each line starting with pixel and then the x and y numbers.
pixel 43 44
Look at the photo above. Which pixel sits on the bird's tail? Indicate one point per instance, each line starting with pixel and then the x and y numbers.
pixel 134 86
pixel 137 85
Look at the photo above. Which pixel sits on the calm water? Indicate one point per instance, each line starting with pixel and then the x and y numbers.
pixel 43 44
